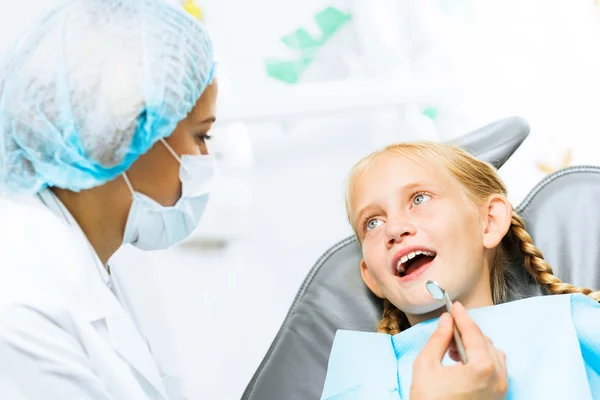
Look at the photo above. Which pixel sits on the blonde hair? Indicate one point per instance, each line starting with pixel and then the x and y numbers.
pixel 480 180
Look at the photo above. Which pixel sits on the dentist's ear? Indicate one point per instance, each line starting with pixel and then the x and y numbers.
pixel 369 280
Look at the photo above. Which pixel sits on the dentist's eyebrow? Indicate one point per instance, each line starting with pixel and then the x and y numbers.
pixel 209 120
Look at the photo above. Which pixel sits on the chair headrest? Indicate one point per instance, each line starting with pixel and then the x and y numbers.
pixel 496 142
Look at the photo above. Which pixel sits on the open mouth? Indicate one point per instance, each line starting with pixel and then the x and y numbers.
pixel 413 262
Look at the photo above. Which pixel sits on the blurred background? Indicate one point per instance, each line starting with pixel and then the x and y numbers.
pixel 306 89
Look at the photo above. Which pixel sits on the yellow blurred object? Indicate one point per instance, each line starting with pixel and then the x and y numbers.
pixel 191 7
pixel 548 169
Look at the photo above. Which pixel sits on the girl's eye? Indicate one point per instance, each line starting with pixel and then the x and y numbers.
pixel 421 198
pixel 374 223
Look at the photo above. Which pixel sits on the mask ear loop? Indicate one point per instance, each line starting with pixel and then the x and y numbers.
pixel 175 155
pixel 171 150
pixel 126 179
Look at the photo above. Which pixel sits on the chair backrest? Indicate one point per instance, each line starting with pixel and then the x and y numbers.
pixel 333 295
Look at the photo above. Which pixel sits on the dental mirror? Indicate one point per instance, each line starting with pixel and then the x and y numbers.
pixel 435 290
pixel 438 293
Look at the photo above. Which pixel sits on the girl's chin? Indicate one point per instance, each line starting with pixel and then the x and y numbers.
pixel 423 308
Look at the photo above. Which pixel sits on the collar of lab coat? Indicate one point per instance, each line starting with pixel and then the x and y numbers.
pixel 124 336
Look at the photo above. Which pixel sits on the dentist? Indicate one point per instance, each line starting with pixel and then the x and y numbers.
pixel 105 109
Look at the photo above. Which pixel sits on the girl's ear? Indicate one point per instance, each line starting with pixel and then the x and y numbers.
pixel 369 280
pixel 497 216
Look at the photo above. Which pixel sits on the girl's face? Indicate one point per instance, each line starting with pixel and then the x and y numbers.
pixel 417 223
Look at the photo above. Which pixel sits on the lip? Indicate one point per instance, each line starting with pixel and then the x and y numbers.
pixel 407 250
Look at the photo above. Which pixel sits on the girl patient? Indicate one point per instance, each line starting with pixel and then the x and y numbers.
pixel 426 211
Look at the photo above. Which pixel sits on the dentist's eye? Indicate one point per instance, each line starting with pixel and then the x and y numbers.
pixel 203 137
pixel 421 198
pixel 373 223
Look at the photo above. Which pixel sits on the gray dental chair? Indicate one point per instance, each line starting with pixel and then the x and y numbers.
pixel 562 215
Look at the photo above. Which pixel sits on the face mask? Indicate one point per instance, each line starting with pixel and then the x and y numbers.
pixel 152 226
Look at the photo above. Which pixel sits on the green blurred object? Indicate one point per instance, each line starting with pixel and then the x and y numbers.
pixel 330 21
pixel 301 40
pixel 431 112
pixel 287 71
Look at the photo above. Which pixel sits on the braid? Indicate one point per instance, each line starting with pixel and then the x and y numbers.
pixel 393 320
pixel 539 269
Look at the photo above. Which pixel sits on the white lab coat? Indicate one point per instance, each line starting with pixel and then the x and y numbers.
pixel 64 334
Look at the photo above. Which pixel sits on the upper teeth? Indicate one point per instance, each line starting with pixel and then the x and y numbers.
pixel 412 255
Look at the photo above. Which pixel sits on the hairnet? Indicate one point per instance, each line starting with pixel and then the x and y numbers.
pixel 94 86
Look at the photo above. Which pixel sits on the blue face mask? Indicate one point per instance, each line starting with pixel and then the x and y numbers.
pixel 152 226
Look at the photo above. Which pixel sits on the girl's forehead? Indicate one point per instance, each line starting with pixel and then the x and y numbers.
pixel 400 170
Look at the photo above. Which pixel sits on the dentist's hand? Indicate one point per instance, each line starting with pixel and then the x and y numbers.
pixel 483 376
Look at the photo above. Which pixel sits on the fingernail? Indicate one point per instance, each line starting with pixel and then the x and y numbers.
pixel 458 305
pixel 444 320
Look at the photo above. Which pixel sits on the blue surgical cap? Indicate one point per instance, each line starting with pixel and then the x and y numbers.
pixel 94 86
